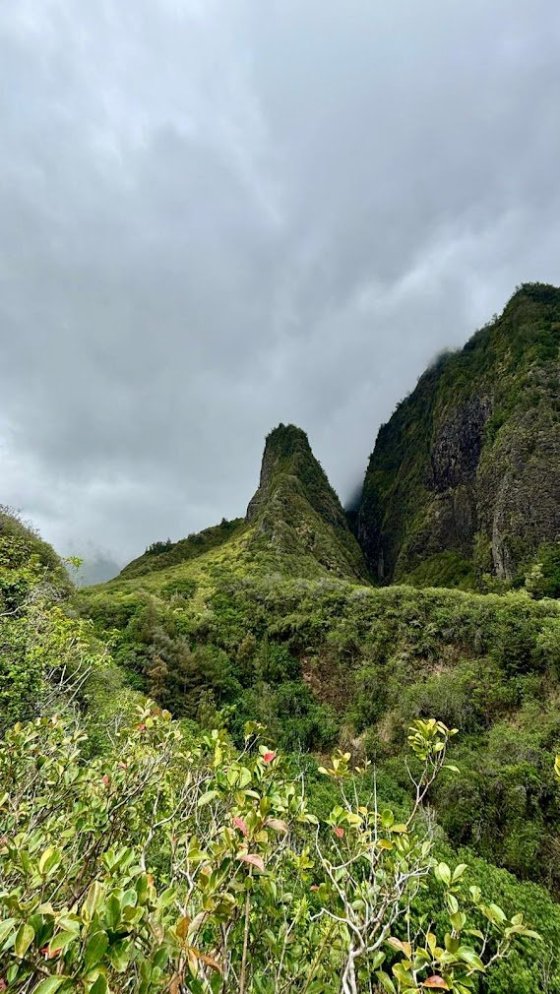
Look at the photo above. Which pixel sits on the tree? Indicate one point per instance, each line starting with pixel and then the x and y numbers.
pixel 180 865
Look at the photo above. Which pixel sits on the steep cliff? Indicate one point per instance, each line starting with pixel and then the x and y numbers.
pixel 295 511
pixel 464 479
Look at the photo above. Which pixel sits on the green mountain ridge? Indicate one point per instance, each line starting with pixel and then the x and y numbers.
pixel 274 617
pixel 295 523
pixel 465 476
pixel 273 620
pixel 461 488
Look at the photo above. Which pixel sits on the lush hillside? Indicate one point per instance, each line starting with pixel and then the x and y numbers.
pixel 321 662
pixel 240 766
pixel 49 657
pixel 465 476
pixel 21 546
pixel 149 855
pixel 295 526
pixel 257 628
pixel 161 555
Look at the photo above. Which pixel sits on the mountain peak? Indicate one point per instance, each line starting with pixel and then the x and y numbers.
pixel 288 438
pixel 288 463
pixel 295 508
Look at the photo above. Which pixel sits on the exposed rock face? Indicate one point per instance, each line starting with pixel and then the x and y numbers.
pixel 457 445
pixel 465 477
pixel 296 510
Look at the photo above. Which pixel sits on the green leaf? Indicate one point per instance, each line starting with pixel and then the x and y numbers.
pixel 100 985
pixel 386 982
pixel 458 871
pixel 498 913
pixel 95 949
pixel 62 940
pixel 458 920
pixel 452 903
pixel 113 912
pixel 443 873
pixel 471 958
pixel 207 798
pixel 94 895
pixel 119 955
pixel 48 860
pixel 24 938
pixel 387 818
pixel 244 777
pixel 49 985
pixel 6 927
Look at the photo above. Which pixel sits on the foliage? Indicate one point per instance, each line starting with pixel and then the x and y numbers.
pixel 317 659
pixel 543 577
pixel 171 864
pixel 49 658
pixel 160 555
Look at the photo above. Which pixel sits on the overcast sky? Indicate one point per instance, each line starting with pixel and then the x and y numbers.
pixel 216 215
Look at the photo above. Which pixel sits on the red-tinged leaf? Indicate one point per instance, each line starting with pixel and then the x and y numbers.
pixel 436 983
pixel 241 825
pixel 314 887
pixel 3 985
pixel 339 832
pixel 268 757
pixel 106 780
pixel 252 860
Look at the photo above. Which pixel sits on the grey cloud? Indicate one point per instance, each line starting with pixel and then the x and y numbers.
pixel 220 215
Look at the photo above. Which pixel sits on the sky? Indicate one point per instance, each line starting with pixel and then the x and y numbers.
pixel 217 215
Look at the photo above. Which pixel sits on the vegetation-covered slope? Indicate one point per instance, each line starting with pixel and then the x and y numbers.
pixel 49 658
pixel 296 512
pixel 321 662
pixel 21 547
pixel 149 854
pixel 161 555
pixel 256 628
pixel 143 855
pixel 464 478
pixel 295 525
